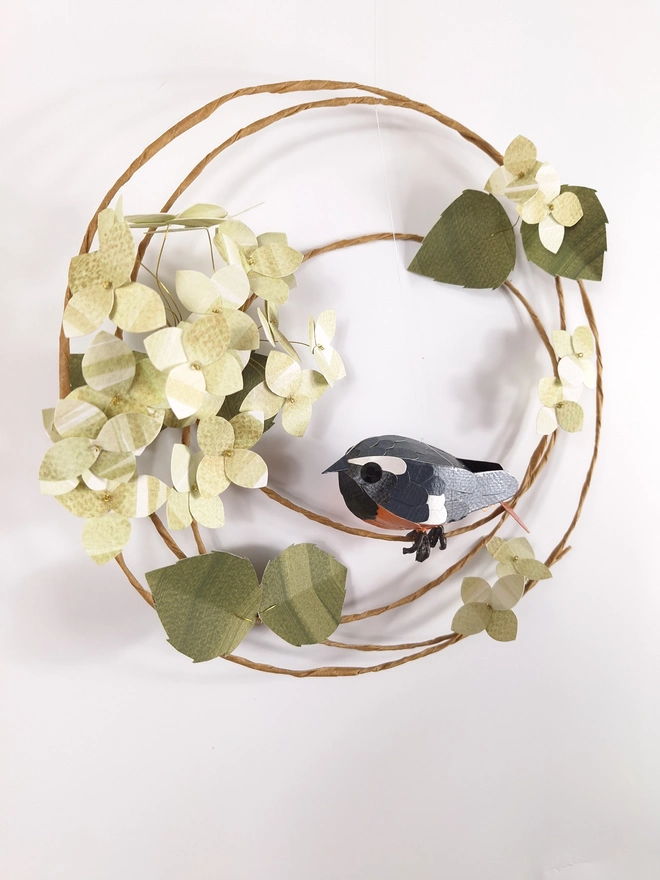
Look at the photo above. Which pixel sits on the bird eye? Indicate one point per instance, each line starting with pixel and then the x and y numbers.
pixel 371 472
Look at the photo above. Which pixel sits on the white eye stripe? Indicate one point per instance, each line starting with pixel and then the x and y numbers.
pixel 389 463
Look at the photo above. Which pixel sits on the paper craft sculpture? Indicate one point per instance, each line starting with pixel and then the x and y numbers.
pixel 393 482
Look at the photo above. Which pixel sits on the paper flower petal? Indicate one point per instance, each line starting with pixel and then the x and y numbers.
pixel 76 418
pixel 223 376
pixel 566 209
pixel 117 249
pixel 243 332
pixel 238 233
pixel 141 497
pixel 589 374
pixel 561 342
pixel 108 364
pixel 58 487
pixel 165 348
pixel 209 512
pixel 570 416
pixel 330 364
pixel 275 260
pixel 498 181
pixel 475 589
pixel 471 619
pixel 207 339
pixel 210 406
pixel 67 459
pixel 137 309
pixel 232 285
pixel 283 374
pixel 551 234
pixel 546 420
pixel 215 436
pixel 86 270
pixel 520 156
pixel 87 310
pixel 106 536
pixel 296 413
pixel 247 430
pixel 502 569
pixel 534 209
pixel 570 370
pixel 128 432
pixel 548 181
pixel 148 386
pixel 196 291
pixel 312 384
pixel 583 342
pixel 113 467
pixel 185 387
pixel 261 399
pixel 212 476
pixel 183 468
pixel 247 469
pixel 572 392
pixel 178 511
pixel 503 626
pixel 533 569
pixel 550 391
pixel 201 215
pixel 268 330
pixel 274 290
pixel 507 592
pixel 515 549
pixel 85 503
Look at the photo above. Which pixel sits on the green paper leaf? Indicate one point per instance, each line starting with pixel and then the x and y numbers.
pixel 472 244
pixel 582 251
pixel 471 619
pixel 533 569
pixel 570 416
pixel 207 604
pixel 303 594
pixel 503 626
pixel 76 378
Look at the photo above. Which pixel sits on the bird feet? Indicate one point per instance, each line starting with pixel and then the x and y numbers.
pixel 424 541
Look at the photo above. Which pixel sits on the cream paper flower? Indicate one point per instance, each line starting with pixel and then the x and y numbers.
pixel 228 457
pixel 185 502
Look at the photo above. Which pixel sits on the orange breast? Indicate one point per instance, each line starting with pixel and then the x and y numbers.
pixel 386 520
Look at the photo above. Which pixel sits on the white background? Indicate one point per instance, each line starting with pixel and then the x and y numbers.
pixel 533 760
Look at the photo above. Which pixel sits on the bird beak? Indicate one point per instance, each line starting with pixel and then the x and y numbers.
pixel 340 465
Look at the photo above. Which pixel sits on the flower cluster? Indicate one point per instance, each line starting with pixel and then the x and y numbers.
pixel 536 189
pixel 187 372
pixel 576 370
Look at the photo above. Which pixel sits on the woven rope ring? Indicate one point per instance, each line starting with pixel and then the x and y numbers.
pixel 540 456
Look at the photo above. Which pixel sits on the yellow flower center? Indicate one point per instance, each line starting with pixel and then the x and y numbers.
pixel 291 399
pixel 228 453
pixel 107 285
pixel 580 354
pixel 196 366
pixel 516 558
pixel 551 206
pixel 96 448
pixel 193 488
pixel 320 348
pixel 106 498
pixel 250 261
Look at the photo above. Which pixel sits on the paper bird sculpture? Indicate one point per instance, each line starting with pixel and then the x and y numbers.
pixel 393 482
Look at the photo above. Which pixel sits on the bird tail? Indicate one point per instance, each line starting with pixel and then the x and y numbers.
pixel 493 487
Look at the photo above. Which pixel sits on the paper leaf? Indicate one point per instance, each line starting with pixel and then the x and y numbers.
pixel 515 549
pixel 243 332
pixel 582 251
pixel 471 619
pixel 137 309
pixel 76 378
pixel 178 511
pixel 551 234
pixel 87 310
pixel 247 469
pixel 247 430
pixel 206 340
pixel 141 497
pixel 67 459
pixel 108 364
pixel 185 386
pixel 283 374
pixel 503 626
pixel 165 348
pixel 281 339
pixel 106 536
pixel 77 418
pixel 570 416
pixel 507 592
pixel 224 376
pixel 209 512
pixel 212 476
pixel 253 374
pixel 128 432
pixel 47 420
pixel 296 415
pixel 201 215
pixel 549 182
pixel 215 436
pixel 472 244
pixel 207 604
pixel 475 589
pixel 274 290
pixel 534 209
pixel 303 594
pixel 533 569
pixel 81 501
pixel 550 391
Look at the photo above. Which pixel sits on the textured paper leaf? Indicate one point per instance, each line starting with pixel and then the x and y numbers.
pixel 224 376
pixel 267 328
pixel 117 249
pixel 243 332
pixel 275 260
pixel 212 476
pixel 274 290
pixel 303 594
pixel 582 251
pixel 296 415
pixel 113 467
pixel 86 270
pixel 185 386
pixel 507 591
pixel 498 181
pixel 207 604
pixel 128 432
pixel 283 374
pixel 546 421
pixel 494 545
pixel 137 309
pixel 247 469
pixel 106 536
pixel 85 503
pixel 503 626
pixel 570 416
pixel 471 619
pixel 472 244
pixel 566 209
pixel 516 548
pixel 76 418
pixel 475 589
pixel 549 181
pixel 87 310
pixel 178 511
pixel 215 436
pixel 533 569
pixel 209 512
pixel 108 364
pixel 67 459
pixel 281 340
pixel 504 569
pixel 520 156
pixel 165 348
pixel 550 391
pixel 561 343
pixel 247 430
pixel 207 339
pixel 141 497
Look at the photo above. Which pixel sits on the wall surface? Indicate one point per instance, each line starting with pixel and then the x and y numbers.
pixel 534 760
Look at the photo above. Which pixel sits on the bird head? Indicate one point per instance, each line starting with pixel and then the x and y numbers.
pixel 367 474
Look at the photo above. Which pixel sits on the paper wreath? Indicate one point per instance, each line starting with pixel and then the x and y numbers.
pixel 206 370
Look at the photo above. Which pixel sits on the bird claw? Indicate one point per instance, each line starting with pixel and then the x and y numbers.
pixel 424 541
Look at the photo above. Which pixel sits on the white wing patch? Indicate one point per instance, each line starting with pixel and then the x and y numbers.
pixel 437 510
pixel 389 463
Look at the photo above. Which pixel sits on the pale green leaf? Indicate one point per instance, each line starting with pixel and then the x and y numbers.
pixel 223 376
pixel 562 343
pixel 165 348
pixel 471 619
pixel 212 476
pixel 520 156
pixel 475 589
pixel 178 510
pixel 84 502
pixel 550 391
pixel 77 418
pixel 185 386
pixel 261 399
pixel 243 332
pixel 570 415
pixel 503 626
pixel 274 290
pixel 583 342
pixel 148 386
pixel 533 569
pixel 86 270
pixel 247 430
pixel 113 467
pixel 296 415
